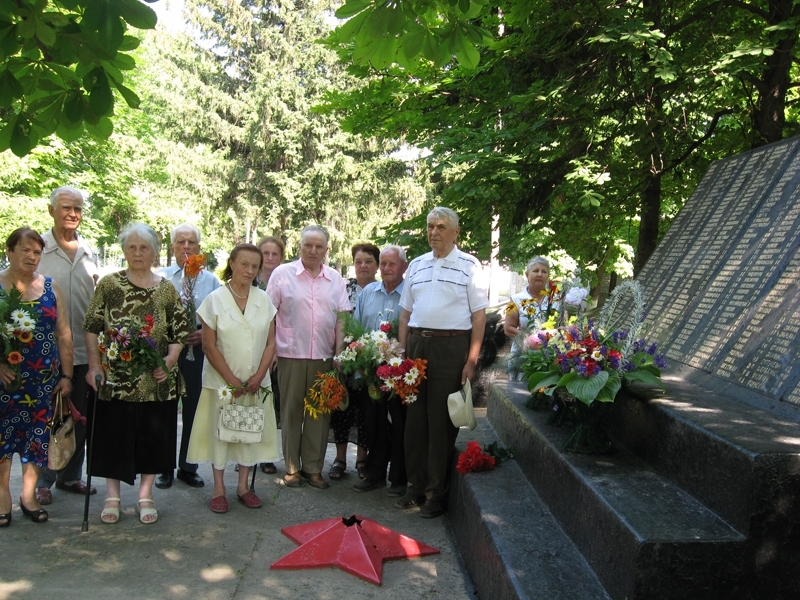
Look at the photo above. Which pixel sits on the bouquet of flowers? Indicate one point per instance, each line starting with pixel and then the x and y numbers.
pixel 365 352
pixel 473 459
pixel 16 330
pixel 326 395
pixel 403 377
pixel 538 310
pixel 191 269
pixel 588 361
pixel 130 342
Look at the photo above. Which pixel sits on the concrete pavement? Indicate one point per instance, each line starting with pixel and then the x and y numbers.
pixel 193 553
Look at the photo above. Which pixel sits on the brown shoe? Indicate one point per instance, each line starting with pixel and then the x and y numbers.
pixel 316 480
pixel 79 487
pixel 292 480
pixel 44 496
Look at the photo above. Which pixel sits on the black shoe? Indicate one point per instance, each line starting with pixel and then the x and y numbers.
pixel 191 479
pixel 397 490
pixel 431 509
pixel 410 500
pixel 164 481
pixel 369 484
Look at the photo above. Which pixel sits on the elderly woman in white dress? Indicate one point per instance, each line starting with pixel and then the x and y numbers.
pixel 239 344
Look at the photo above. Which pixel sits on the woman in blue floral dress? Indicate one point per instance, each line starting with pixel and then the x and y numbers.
pixel 36 365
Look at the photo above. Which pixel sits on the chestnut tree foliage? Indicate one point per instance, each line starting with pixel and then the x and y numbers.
pixel 581 126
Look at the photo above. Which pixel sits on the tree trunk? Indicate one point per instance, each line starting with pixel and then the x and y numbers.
pixel 650 214
pixel 770 117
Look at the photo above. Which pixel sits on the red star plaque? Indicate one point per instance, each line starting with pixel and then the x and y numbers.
pixel 354 544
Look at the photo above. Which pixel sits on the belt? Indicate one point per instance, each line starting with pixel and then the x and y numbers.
pixel 439 332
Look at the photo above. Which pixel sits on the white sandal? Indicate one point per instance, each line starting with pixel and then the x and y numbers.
pixel 146 511
pixel 110 511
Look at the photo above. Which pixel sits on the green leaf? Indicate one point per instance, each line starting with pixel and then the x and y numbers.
pixel 129 43
pixel 586 389
pixel 69 133
pixel 102 129
pixel 411 43
pixel 129 95
pixel 5 134
pixel 644 376
pixel 466 53
pixel 73 107
pixel 45 33
pixel 538 381
pixel 610 389
pixel 23 137
pixel 352 29
pixel 124 61
pixel 137 14
pixel 10 88
pixel 351 7
pixel 101 100
pixel 9 45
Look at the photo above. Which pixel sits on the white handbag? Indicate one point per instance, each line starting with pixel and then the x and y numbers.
pixel 239 424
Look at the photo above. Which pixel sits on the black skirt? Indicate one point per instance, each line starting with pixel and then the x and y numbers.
pixel 134 437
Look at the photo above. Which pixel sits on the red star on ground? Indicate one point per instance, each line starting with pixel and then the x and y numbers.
pixel 354 544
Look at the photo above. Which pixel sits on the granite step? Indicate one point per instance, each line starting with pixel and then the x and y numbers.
pixel 511 543
pixel 642 535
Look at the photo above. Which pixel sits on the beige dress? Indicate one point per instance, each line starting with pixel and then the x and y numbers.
pixel 241 338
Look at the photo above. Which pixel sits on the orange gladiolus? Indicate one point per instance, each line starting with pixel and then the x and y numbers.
pixel 194 264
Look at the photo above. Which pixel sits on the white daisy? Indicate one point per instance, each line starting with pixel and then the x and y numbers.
pixel 112 353
pixel 395 361
pixel 225 393
pixel 411 398
pixel 411 377
pixel 19 314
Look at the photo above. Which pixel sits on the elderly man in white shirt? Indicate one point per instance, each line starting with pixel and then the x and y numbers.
pixel 442 321
pixel 69 260
pixel 185 239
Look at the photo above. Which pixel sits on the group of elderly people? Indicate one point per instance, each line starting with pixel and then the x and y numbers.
pixel 269 325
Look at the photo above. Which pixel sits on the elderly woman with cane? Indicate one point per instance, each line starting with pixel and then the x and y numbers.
pixel 135 327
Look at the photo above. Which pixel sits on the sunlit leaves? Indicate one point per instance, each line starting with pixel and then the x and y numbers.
pixel 60 62
pixel 384 34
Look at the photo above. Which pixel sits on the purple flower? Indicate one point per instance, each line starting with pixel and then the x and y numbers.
pixel 651 349
pixel 660 361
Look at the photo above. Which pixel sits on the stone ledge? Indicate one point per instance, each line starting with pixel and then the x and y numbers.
pixel 641 534
pixel 511 544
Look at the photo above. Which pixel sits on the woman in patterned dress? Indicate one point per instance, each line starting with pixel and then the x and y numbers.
pixel 365 260
pixel 137 415
pixel 44 368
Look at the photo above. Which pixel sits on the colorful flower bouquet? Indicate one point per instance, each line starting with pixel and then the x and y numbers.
pixel 588 362
pixel 130 342
pixel 17 330
pixel 403 377
pixel 326 395
pixel 365 352
pixel 191 270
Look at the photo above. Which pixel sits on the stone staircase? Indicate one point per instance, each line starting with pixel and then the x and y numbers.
pixel 689 505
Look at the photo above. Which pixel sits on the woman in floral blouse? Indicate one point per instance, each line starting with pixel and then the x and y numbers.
pixel 136 429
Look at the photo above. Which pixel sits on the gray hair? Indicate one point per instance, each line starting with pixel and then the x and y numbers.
pixel 65 190
pixel 445 214
pixel 315 229
pixel 401 253
pixel 537 260
pixel 184 227
pixel 144 233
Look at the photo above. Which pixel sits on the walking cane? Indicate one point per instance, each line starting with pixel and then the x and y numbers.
pixel 85 526
pixel 253 480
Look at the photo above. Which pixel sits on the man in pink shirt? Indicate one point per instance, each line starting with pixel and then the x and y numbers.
pixel 309 297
